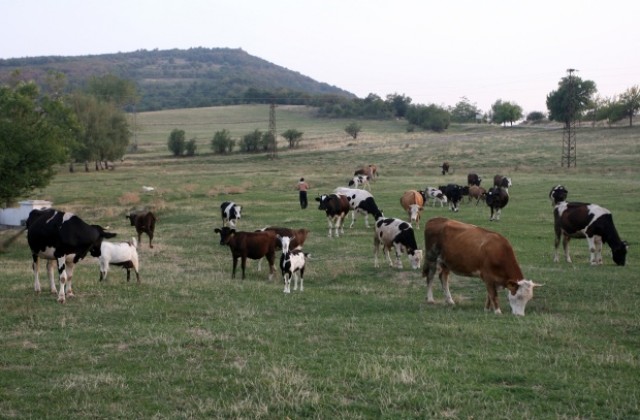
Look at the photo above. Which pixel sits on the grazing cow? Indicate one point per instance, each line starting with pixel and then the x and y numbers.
pixel 297 236
pixel 145 222
pixel 413 203
pixel 398 234
pixel 230 213
pixel 436 195
pixel 497 199
pixel 359 180
pixel 445 168
pixel 454 193
pixel 478 193
pixel 59 235
pixel 473 179
pixel 123 254
pixel 362 202
pixel 370 170
pixel 336 206
pixel 575 220
pixel 254 245
pixel 468 250
pixel 502 181
pixel 292 264
pixel 558 194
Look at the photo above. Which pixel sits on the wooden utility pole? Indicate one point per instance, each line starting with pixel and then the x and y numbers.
pixel 569 132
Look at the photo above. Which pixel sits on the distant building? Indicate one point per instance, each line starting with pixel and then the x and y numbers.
pixel 17 216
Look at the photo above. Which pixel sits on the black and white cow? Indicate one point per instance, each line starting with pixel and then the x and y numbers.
pixel 336 206
pixel 454 193
pixel 573 220
pixel 435 195
pixel 398 234
pixel 360 180
pixel 292 264
pixel 361 202
pixel 60 234
pixel 558 194
pixel 230 213
pixel 497 198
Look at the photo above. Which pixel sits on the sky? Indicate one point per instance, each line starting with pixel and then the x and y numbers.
pixel 435 52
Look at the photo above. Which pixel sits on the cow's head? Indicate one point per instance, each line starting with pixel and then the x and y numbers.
pixel 415 258
pixel 225 234
pixel 522 295
pixel 558 194
pixel 102 234
pixel 620 253
pixel 322 199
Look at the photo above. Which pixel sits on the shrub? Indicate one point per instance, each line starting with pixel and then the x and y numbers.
pixel 177 142
pixel 222 142
pixel 191 147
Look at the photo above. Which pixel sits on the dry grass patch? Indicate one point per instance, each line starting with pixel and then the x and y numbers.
pixel 129 199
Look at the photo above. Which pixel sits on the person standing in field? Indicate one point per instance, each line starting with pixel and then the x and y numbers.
pixel 302 186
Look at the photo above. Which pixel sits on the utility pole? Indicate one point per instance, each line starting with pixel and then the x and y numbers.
pixel 272 129
pixel 569 132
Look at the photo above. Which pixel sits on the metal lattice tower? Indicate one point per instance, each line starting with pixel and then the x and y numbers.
pixel 569 133
pixel 272 129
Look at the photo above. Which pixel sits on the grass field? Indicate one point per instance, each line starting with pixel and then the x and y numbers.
pixel 359 342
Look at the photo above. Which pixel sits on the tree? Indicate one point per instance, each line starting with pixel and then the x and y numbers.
pixel 570 100
pixel 535 116
pixel 353 129
pixel 177 142
pixel 222 142
pixel 630 101
pixel 110 88
pixel 36 133
pixel 293 136
pixel 104 133
pixel 431 117
pixel 251 141
pixel 505 112
pixel 399 104
pixel 464 112
pixel 190 147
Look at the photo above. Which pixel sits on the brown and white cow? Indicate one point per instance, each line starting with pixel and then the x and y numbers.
pixel 467 250
pixel 253 245
pixel 576 220
pixel 336 207
pixel 412 202
pixel 370 171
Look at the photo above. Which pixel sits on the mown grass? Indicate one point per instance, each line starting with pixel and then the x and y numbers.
pixel 359 342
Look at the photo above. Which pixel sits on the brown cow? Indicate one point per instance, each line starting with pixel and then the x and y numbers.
pixel 478 193
pixel 254 245
pixel 370 170
pixel 297 236
pixel 468 250
pixel 413 203
pixel 145 222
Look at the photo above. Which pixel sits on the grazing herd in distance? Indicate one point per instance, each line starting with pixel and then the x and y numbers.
pixel 450 246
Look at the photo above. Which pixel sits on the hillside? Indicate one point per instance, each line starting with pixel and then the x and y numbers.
pixel 171 79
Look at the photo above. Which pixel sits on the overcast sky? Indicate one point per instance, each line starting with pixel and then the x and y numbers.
pixel 432 51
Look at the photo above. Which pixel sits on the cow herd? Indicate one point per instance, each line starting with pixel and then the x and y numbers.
pixel 450 246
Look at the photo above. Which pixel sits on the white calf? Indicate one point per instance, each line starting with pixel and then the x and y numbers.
pixel 436 196
pixel 124 254
pixel 292 263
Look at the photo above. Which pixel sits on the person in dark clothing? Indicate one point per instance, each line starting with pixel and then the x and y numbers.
pixel 302 186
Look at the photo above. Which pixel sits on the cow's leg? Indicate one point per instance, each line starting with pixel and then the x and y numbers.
pixel 128 275
pixel 597 241
pixel 62 275
pixel 353 219
pixel 444 280
pixel 366 220
pixel 565 247
pixel 287 282
pixel 593 252
pixel 35 266
pixel 301 275
pixel 235 264
pixel 398 249
pixel 271 257
pixel 429 270
pixel 376 251
pixel 243 265
pixel 329 222
pixel 150 233
pixel 492 298
pixel 556 242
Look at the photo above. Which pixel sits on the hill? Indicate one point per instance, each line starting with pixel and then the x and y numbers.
pixel 170 79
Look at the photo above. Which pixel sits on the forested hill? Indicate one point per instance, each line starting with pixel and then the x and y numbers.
pixel 175 78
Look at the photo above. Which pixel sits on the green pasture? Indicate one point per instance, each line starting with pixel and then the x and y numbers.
pixel 359 342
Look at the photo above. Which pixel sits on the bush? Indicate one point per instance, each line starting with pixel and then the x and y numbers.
pixel 251 141
pixel 222 142
pixel 191 147
pixel 177 143
pixel 535 116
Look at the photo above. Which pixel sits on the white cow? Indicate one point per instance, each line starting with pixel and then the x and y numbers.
pixel 436 196
pixel 124 254
pixel 362 202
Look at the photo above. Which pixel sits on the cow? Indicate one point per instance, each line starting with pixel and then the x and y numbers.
pixel 362 202
pixel 467 250
pixel 253 245
pixel 454 193
pixel 436 195
pixel 497 199
pixel 575 220
pixel 59 235
pixel 398 234
pixel 558 194
pixel 477 193
pixel 473 179
pixel 445 168
pixel 144 222
pixel 359 180
pixel 370 170
pixel 412 202
pixel 502 181
pixel 297 237
pixel 336 206
pixel 292 264
pixel 231 213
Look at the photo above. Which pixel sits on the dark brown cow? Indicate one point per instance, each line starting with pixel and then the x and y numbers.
pixel 468 250
pixel 473 179
pixel 297 236
pixel 497 198
pixel 477 193
pixel 145 222
pixel 445 168
pixel 336 206
pixel 254 245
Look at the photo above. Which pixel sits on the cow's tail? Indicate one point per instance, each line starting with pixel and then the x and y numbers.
pixel 11 240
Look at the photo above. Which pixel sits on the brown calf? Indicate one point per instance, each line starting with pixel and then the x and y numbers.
pixel 254 245
pixel 145 222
